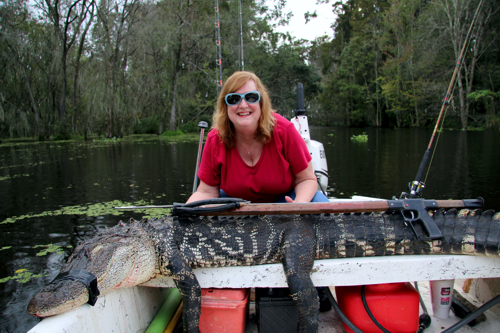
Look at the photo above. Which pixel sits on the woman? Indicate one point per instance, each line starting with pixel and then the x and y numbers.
pixel 252 152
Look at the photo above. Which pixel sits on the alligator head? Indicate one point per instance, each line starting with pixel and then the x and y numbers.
pixel 122 256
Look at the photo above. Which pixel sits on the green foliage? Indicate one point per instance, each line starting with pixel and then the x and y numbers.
pixel 192 127
pixel 362 138
pixel 389 65
pixel 145 67
pixel 483 94
pixel 147 126
pixel 281 68
pixel 488 97
pixel 62 136
pixel 172 133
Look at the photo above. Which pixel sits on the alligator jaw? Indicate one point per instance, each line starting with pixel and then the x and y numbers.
pixel 123 256
pixel 57 298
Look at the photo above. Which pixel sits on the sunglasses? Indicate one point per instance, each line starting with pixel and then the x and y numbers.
pixel 250 97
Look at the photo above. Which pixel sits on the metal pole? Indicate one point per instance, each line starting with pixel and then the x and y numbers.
pixel 241 41
pixel 202 125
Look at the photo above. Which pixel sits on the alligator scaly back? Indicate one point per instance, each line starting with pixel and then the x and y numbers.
pixel 133 253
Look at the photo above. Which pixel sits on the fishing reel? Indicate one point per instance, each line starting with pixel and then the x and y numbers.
pixel 415 188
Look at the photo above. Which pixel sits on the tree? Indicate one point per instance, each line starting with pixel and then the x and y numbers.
pixel 67 19
pixel 77 67
pixel 455 18
pixel 114 25
pixel 18 61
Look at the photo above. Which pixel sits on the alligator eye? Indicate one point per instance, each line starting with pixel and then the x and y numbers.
pixel 96 250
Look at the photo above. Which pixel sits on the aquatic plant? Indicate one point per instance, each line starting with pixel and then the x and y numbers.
pixel 94 210
pixel 50 248
pixel 360 138
pixel 22 276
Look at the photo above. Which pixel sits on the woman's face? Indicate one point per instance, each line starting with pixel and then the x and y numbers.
pixel 245 116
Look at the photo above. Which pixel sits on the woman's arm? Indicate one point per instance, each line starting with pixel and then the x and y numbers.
pixel 204 192
pixel 305 185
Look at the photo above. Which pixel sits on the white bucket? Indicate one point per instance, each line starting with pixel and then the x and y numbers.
pixel 442 295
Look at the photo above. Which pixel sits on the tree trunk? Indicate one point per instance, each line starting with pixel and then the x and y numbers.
pixel 76 102
pixel 62 101
pixel 33 104
pixel 109 127
pixel 174 100
pixel 378 121
pixel 464 115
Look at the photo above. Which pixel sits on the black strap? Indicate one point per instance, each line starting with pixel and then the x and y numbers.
pixel 193 208
pixel 85 277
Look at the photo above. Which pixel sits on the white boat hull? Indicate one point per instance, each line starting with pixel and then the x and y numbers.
pixel 122 310
pixel 132 309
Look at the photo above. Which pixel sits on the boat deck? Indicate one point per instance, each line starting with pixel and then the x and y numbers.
pixel 330 322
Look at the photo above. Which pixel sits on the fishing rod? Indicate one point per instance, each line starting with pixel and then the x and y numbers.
pixel 415 187
pixel 242 62
pixel 219 60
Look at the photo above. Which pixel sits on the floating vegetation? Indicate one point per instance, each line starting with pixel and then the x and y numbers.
pixel 16 176
pixel 51 248
pixel 33 164
pixel 22 276
pixel 97 142
pixel 360 138
pixel 94 210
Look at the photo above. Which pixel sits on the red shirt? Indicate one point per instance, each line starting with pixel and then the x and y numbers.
pixel 282 157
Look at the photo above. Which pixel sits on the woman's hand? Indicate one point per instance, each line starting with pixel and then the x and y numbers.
pixel 204 192
pixel 306 185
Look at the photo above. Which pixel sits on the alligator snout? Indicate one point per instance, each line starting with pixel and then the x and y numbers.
pixel 57 298
pixel 122 256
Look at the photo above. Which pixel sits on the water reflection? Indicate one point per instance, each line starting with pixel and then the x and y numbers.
pixel 464 165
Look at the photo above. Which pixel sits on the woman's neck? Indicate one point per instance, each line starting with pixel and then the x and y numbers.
pixel 245 138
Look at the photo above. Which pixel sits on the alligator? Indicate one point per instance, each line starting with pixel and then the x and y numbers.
pixel 134 252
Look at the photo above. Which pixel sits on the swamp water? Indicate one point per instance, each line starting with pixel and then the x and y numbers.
pixel 54 194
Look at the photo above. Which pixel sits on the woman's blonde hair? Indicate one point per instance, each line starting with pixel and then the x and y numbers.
pixel 221 122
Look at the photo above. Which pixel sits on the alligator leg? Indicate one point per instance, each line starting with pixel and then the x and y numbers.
pixel 173 263
pixel 188 285
pixel 298 259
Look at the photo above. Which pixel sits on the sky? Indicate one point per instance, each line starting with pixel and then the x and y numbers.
pixel 316 27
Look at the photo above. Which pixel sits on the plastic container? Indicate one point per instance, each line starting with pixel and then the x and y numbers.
pixel 224 310
pixel 441 295
pixel 276 310
pixel 394 305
